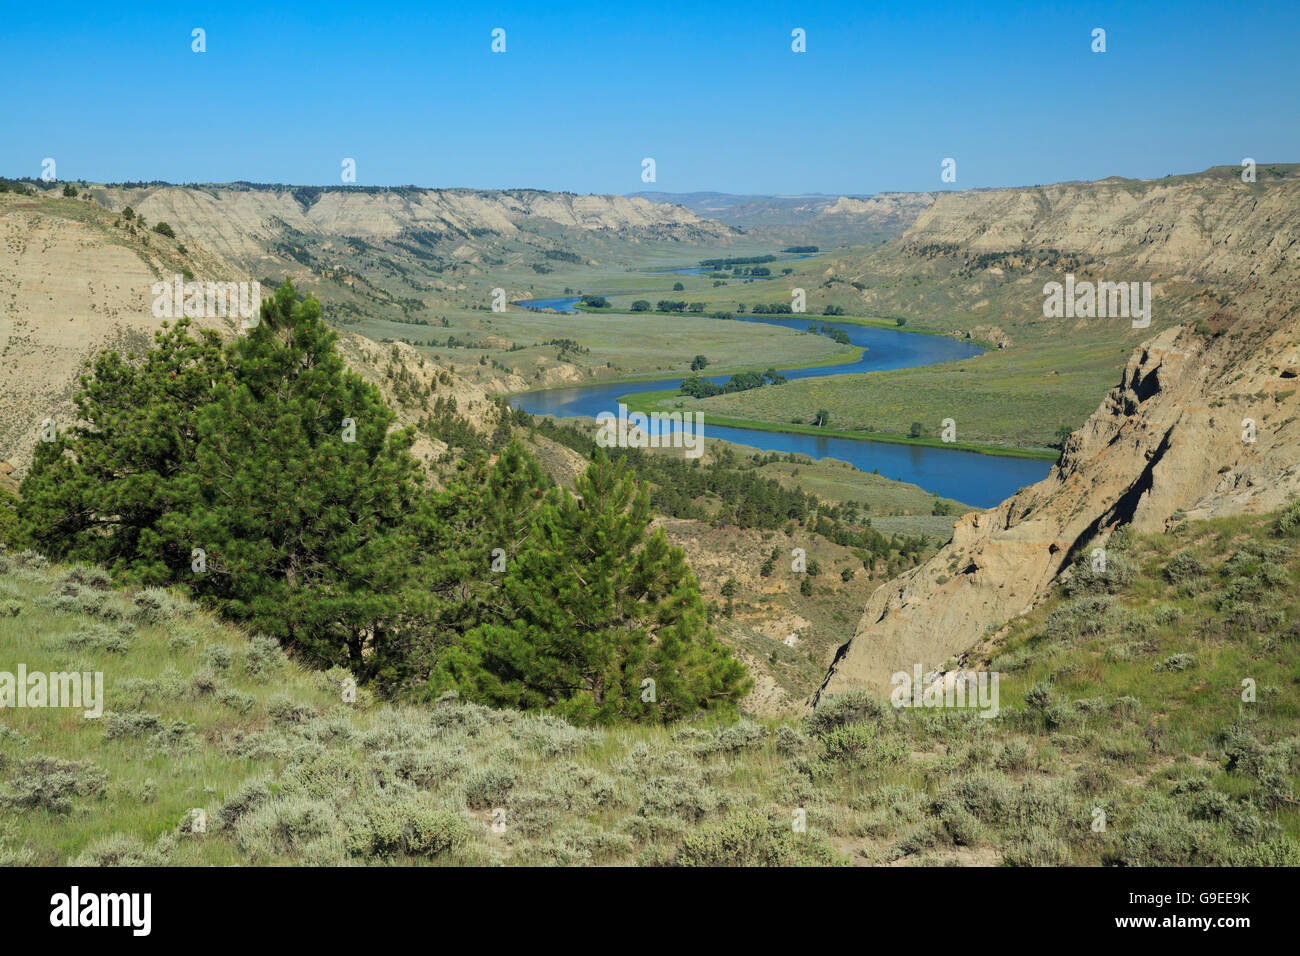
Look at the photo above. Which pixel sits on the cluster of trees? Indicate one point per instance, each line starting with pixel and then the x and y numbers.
pixel 20 188
pixel 734 261
pixel 594 301
pixel 747 499
pixel 780 308
pixel 270 481
pixel 698 387
pixel 839 335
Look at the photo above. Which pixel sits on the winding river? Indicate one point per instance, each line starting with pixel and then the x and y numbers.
pixel 980 480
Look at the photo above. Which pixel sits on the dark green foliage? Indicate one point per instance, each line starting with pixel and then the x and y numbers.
pixel 103 492
pixel 283 468
pixel 590 610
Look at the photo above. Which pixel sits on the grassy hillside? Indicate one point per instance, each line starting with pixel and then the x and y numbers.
pixel 1122 694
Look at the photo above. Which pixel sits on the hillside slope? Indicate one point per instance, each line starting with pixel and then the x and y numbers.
pixel 1174 439
pixel 1121 705
pixel 75 279
pixel 245 223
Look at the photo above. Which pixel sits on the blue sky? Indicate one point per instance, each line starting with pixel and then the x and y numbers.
pixel 712 92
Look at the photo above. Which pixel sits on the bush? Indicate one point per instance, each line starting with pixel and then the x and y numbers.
pixel 1083 617
pixel 130 724
pixel 1176 662
pixel 50 783
pixel 1183 567
pixel 1037 848
pixel 125 849
pixel 411 827
pixel 1288 522
pixel 747 838
pixel 489 787
pixel 852 708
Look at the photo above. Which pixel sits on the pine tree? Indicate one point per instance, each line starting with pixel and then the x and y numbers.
pixel 101 491
pixel 595 608
pixel 304 496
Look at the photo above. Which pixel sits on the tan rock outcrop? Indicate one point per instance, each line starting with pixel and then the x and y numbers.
pixel 1174 436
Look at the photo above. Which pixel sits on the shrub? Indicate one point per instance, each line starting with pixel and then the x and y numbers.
pixel 789 739
pixel 286 827
pixel 1083 617
pixel 1288 522
pixel 125 849
pixel 130 724
pixel 411 827
pixel 285 710
pixel 250 795
pixel 855 707
pixel 1176 662
pixel 156 605
pixel 488 787
pixel 50 783
pixel 1118 574
pixel 262 657
pixel 747 838
pixel 1037 848
pixel 237 700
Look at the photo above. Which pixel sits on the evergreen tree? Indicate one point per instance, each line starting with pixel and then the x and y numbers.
pixel 594 608
pixel 101 490
pixel 304 496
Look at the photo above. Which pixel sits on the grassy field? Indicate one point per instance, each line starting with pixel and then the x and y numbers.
pixel 611 347
pixel 1123 736
pixel 838 481
pixel 742 412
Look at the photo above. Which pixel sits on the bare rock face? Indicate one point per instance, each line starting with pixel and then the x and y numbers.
pixel 1201 424
pixel 243 223
pixel 71 287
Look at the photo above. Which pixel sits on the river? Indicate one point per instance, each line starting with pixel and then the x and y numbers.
pixel 980 480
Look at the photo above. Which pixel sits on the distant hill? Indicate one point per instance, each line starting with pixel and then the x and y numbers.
pixel 836 219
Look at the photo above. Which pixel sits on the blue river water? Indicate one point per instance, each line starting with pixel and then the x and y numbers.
pixel 980 480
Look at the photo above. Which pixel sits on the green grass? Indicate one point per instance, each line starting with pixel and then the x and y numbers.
pixel 779 397
pixel 1122 693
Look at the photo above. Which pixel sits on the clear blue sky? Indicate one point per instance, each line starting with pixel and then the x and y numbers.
pixel 584 91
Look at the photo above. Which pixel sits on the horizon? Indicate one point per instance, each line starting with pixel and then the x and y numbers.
pixel 640 193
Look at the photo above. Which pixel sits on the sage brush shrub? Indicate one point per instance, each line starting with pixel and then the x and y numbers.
pixel 45 782
pixel 748 838
pixel 853 707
